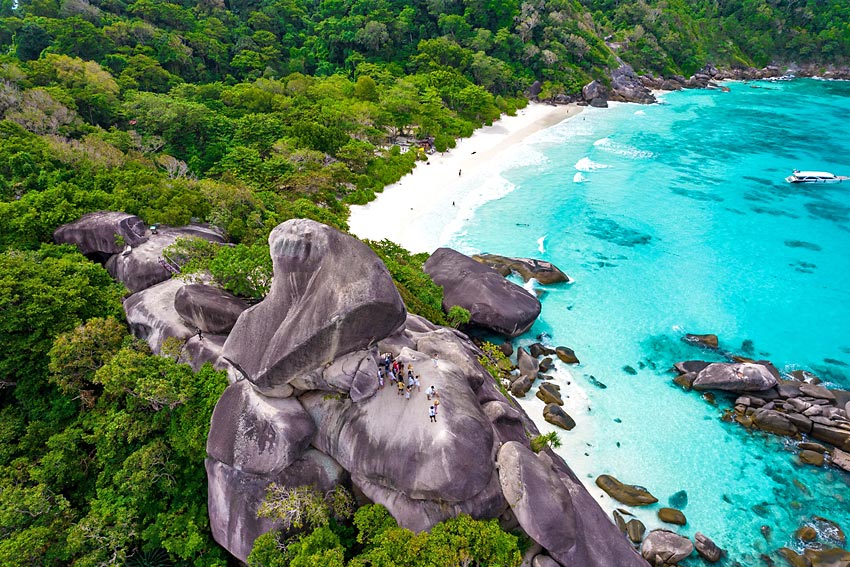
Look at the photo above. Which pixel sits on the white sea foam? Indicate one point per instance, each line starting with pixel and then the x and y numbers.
pixel 640 113
pixel 625 150
pixel 540 246
pixel 586 164
pixel 491 188
pixel 579 178
pixel 530 286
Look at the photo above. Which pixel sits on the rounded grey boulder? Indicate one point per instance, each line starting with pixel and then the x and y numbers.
pixel 735 377
pixel 492 301
pixel 144 265
pixel 152 317
pixel 104 232
pixel 256 434
pixel 208 308
pixel 663 547
pixel 330 295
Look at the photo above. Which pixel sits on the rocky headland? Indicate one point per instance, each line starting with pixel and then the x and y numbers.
pixel 305 407
pixel 795 405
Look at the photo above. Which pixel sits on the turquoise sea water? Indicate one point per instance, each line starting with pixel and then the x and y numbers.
pixel 675 218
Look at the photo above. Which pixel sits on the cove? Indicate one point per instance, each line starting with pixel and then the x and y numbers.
pixel 675 218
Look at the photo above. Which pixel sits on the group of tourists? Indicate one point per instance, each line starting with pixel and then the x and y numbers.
pixel 406 382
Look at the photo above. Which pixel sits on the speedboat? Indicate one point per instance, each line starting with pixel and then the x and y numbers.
pixel 814 177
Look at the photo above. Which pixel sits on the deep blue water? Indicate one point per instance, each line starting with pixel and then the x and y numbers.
pixel 675 218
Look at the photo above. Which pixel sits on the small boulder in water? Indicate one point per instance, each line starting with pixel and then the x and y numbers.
pixel 629 494
pixel 635 530
pixel 708 341
pixel 567 355
pixel 707 549
pixel 557 416
pixel 663 547
pixel 672 516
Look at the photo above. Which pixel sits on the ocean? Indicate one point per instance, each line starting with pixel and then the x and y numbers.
pixel 675 218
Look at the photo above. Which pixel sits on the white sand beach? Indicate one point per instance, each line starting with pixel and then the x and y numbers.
pixel 419 211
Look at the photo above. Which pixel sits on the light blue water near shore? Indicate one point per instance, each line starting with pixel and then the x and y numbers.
pixel 675 218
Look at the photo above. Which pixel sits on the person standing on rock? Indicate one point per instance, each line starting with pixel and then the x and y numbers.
pixel 380 379
pixel 432 414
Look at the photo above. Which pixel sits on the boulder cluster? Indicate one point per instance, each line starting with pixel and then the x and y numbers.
pixel 660 547
pixel 795 405
pixel 305 406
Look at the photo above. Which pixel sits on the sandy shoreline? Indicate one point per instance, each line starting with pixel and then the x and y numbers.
pixel 417 211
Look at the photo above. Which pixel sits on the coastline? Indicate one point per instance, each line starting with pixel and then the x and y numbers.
pixel 413 211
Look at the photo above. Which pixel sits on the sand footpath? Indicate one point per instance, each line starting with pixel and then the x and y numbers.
pixel 418 211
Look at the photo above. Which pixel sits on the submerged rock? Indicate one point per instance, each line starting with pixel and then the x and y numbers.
pixel 330 295
pixel 708 341
pixel 492 301
pixel 629 494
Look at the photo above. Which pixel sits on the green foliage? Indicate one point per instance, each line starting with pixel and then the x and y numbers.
pixel 496 364
pixel 304 507
pixel 44 293
pixel 457 316
pixel 419 292
pixel 549 440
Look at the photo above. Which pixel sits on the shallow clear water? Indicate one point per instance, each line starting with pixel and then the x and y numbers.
pixel 675 218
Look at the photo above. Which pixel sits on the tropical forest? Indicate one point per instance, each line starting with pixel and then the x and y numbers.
pixel 243 114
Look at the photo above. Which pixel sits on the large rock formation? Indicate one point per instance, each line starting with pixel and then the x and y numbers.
pixel 626 86
pixel 737 377
pixel 311 411
pixel 102 232
pixel 208 308
pixel 144 265
pixel 152 316
pixel 330 295
pixel 528 268
pixel 493 302
pixel 555 510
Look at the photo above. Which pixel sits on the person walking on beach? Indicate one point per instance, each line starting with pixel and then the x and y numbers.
pixel 431 391
pixel 432 414
pixel 436 403
pixel 407 393
pixel 401 387
pixel 458 173
pixel 417 384
pixel 380 379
